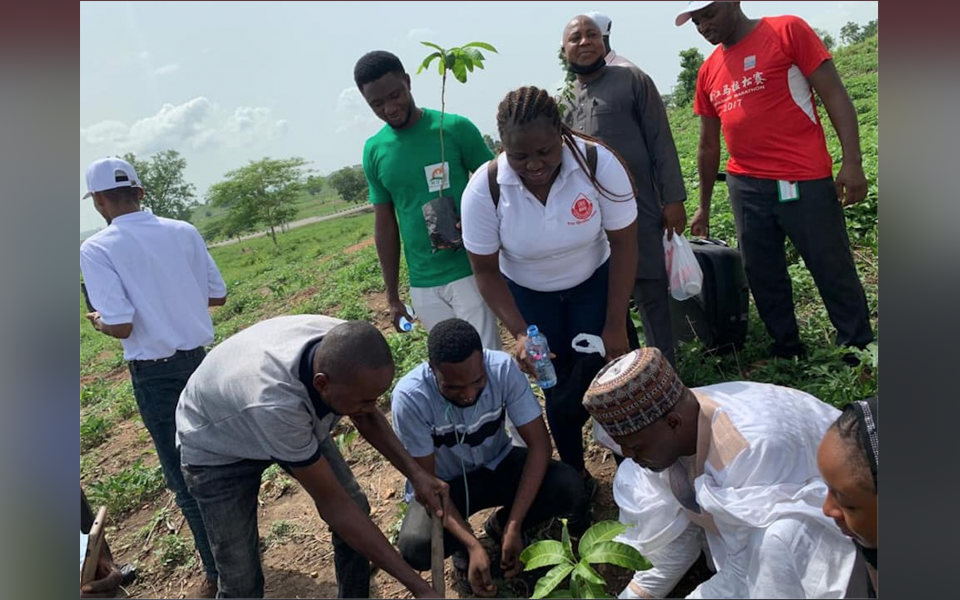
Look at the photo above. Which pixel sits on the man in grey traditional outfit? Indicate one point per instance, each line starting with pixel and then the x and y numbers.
pixel 622 107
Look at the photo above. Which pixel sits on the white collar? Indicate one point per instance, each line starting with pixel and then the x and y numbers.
pixel 134 216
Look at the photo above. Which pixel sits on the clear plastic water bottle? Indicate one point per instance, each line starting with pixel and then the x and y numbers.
pixel 406 325
pixel 539 351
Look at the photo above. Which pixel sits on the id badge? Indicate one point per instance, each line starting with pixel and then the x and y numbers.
pixel 788 190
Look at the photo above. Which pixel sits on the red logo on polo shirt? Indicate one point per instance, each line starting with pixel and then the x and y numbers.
pixel 582 208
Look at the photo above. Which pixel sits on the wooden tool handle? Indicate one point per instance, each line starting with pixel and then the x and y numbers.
pixel 94 547
pixel 437 554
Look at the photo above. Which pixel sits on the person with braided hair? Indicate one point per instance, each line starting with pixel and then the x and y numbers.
pixel 848 462
pixel 550 229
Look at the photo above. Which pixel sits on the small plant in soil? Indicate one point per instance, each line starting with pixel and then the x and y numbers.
pixel 596 547
pixel 281 532
pixel 393 532
pixel 173 551
pixel 345 440
pixel 93 432
pixel 161 516
pixel 274 483
pixel 126 490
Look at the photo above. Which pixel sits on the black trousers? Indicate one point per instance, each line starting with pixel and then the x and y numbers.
pixel 816 226
pixel 652 297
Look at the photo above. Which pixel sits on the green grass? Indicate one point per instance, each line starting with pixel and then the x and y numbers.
pixel 126 490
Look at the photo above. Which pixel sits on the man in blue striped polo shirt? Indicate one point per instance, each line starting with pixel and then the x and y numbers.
pixel 450 413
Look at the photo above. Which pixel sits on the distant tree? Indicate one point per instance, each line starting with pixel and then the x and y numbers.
pixel 850 33
pixel 350 183
pixel 314 185
pixel 262 193
pixel 870 29
pixel 493 144
pixel 166 192
pixel 828 40
pixel 690 61
pixel 212 229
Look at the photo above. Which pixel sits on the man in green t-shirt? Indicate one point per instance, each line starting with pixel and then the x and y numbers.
pixel 403 166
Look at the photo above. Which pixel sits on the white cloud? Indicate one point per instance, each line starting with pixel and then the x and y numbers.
pixel 422 34
pixel 252 124
pixel 145 55
pixel 166 69
pixel 353 112
pixel 105 132
pixel 350 99
pixel 196 124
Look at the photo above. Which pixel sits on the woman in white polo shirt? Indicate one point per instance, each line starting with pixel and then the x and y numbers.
pixel 557 249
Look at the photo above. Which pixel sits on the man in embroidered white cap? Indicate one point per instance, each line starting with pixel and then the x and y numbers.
pixel 728 468
pixel 149 281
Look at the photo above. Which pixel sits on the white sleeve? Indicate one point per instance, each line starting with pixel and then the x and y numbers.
pixel 479 220
pixel 104 287
pixel 765 567
pixel 618 204
pixel 670 564
pixel 216 288
pixel 730 580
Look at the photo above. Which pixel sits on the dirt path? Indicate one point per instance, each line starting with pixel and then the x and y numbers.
pixel 295 224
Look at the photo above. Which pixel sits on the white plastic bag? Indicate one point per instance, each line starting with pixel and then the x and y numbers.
pixel 686 278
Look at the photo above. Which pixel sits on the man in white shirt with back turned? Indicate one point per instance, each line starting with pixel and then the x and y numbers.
pixel 150 281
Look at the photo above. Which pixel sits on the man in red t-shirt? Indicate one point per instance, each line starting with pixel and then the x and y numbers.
pixel 758 87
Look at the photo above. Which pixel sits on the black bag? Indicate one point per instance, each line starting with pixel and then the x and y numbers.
pixel 718 314
pixel 440 215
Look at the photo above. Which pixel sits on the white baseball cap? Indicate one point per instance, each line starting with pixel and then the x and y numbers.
pixel 692 7
pixel 109 173
pixel 603 21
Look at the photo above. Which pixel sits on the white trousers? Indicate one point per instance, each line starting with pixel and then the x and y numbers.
pixel 459 299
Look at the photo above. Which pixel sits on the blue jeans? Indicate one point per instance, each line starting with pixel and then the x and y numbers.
pixel 227 496
pixel 561 316
pixel 157 386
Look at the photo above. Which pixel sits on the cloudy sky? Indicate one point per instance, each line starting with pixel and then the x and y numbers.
pixel 225 83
